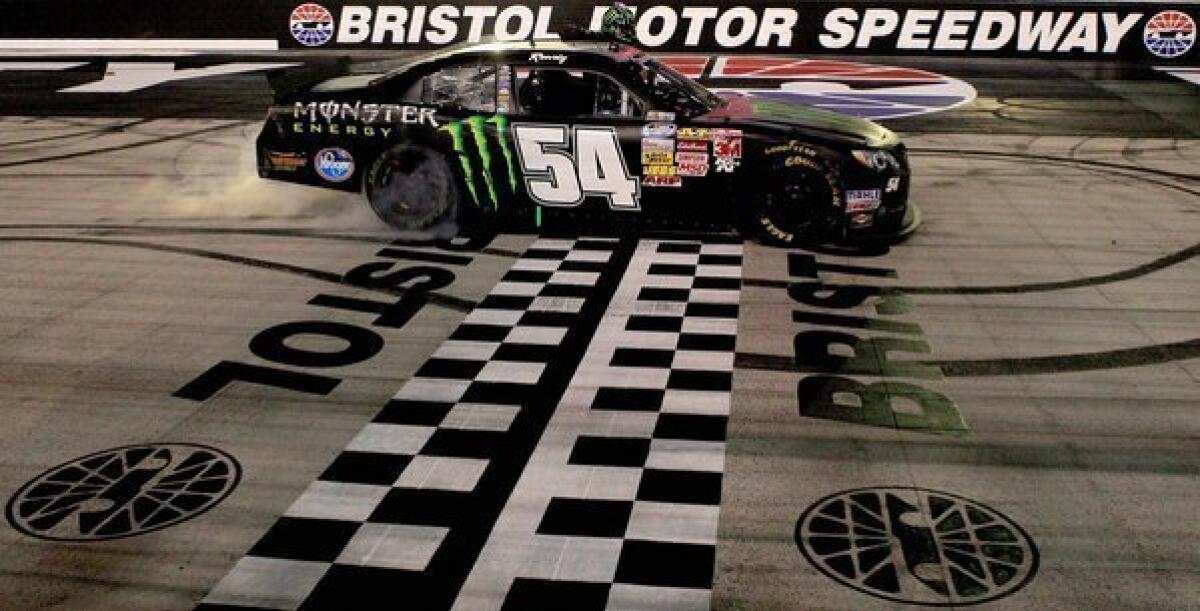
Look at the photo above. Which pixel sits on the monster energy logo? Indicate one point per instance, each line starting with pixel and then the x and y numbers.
pixel 475 129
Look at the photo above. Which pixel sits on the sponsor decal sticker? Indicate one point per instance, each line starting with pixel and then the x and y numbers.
pixel 334 164
pixel 311 25
pixel 662 181
pixel 693 133
pixel 893 184
pixel 286 161
pixel 659 130
pixel 658 151
pixel 727 143
pixel 696 146
pixel 660 116
pixel 692 169
pixel 659 170
pixel 862 200
pixel 685 157
pixel 1169 34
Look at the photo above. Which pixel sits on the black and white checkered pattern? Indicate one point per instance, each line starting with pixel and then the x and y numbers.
pixel 618 507
pixel 515 468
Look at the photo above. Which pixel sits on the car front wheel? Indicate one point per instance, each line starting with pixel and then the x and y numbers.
pixel 800 197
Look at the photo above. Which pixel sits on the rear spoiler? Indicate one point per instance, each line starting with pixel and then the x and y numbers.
pixel 286 81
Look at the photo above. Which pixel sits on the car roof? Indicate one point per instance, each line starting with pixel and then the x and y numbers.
pixel 578 52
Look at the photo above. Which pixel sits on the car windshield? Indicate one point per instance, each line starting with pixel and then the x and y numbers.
pixel 673 91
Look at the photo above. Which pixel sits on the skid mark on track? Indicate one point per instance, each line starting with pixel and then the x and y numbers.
pixel 446 301
pixel 479 246
pixel 124 147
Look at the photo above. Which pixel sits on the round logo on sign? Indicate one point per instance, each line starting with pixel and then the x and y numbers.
pixel 1169 34
pixel 334 164
pixel 311 25
pixel 872 91
pixel 123 492
pixel 916 546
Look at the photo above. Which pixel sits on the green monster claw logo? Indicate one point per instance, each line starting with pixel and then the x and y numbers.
pixel 478 127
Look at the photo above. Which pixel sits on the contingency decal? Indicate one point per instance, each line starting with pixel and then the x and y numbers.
pixel 863 200
pixel 285 161
pixel 476 130
pixel 563 165
pixel 727 149
pixel 334 164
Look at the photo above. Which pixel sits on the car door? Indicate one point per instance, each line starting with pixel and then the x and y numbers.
pixel 577 137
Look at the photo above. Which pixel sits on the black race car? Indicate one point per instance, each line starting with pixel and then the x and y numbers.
pixel 525 135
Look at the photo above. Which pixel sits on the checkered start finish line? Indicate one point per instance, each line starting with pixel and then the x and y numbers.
pixel 564 445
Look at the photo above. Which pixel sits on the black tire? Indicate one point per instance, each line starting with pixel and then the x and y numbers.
pixel 801 197
pixel 412 187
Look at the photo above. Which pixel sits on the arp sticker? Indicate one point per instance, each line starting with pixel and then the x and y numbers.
pixel 662 181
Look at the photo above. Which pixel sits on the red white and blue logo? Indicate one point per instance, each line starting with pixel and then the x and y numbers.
pixel 1169 34
pixel 334 164
pixel 865 90
pixel 311 25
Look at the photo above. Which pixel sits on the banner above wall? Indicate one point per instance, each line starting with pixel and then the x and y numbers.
pixel 1139 32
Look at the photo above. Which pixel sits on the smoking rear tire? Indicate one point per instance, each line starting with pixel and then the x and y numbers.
pixel 412 187
pixel 800 198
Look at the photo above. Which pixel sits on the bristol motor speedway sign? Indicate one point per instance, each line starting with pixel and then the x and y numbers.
pixel 1138 32
pixel 1152 32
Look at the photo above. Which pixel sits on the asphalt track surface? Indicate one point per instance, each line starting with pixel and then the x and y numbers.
pixel 674 423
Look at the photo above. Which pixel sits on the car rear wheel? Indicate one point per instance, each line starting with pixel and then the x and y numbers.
pixel 412 187
pixel 800 197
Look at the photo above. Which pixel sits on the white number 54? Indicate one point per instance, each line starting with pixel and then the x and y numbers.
pixel 561 172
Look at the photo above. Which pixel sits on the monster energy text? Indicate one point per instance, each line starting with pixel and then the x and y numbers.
pixel 366 113
pixel 476 129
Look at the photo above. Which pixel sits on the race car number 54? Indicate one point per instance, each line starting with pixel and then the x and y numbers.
pixel 562 165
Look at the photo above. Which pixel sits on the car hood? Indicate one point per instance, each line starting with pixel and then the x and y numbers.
pixel 753 110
